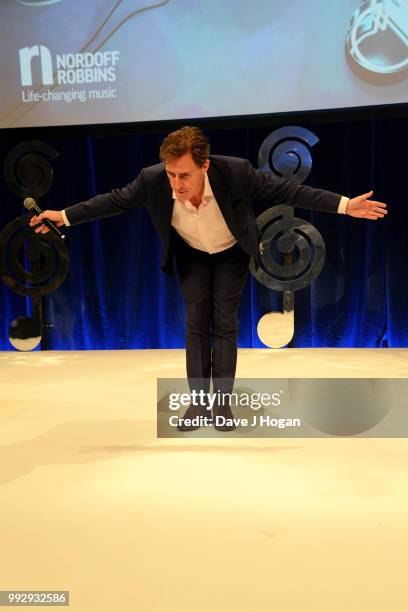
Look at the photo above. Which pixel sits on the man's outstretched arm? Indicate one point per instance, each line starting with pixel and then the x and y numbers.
pixel 276 190
pixel 117 202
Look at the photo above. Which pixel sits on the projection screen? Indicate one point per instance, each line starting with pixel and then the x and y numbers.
pixel 70 62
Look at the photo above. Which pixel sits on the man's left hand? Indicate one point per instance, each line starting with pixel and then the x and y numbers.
pixel 363 208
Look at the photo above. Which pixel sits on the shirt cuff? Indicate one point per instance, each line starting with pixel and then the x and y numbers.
pixel 343 205
pixel 65 219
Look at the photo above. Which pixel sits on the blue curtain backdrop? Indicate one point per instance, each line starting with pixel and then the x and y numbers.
pixel 116 297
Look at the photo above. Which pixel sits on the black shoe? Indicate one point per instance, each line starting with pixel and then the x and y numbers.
pixel 194 412
pixel 222 418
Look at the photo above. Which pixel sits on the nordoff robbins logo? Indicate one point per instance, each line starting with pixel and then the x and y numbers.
pixel 26 56
pixel 70 68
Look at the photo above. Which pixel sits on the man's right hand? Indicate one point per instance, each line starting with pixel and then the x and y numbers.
pixel 53 215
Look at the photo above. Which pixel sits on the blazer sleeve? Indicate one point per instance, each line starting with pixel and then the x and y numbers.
pixel 272 189
pixel 117 202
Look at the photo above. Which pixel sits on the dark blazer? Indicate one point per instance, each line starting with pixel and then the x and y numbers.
pixel 235 184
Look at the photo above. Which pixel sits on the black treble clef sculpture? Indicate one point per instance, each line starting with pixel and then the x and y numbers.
pixel 31 264
pixel 292 251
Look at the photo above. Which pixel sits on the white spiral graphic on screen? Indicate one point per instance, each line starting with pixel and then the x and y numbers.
pixel 377 36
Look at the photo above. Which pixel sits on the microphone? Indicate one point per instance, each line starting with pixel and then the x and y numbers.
pixel 31 204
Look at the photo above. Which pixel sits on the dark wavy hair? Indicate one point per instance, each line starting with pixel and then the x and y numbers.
pixel 187 139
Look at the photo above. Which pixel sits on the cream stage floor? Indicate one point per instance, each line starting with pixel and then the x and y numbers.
pixel 92 502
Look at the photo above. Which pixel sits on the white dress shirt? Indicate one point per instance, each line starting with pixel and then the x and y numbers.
pixel 202 227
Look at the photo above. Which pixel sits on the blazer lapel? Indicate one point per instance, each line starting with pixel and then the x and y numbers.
pixel 164 202
pixel 221 193
pixel 164 205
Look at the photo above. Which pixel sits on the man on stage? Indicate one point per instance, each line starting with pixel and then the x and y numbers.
pixel 200 205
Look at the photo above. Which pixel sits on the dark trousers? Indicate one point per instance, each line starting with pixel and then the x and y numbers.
pixel 212 287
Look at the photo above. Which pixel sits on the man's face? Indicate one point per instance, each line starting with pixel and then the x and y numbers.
pixel 186 178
